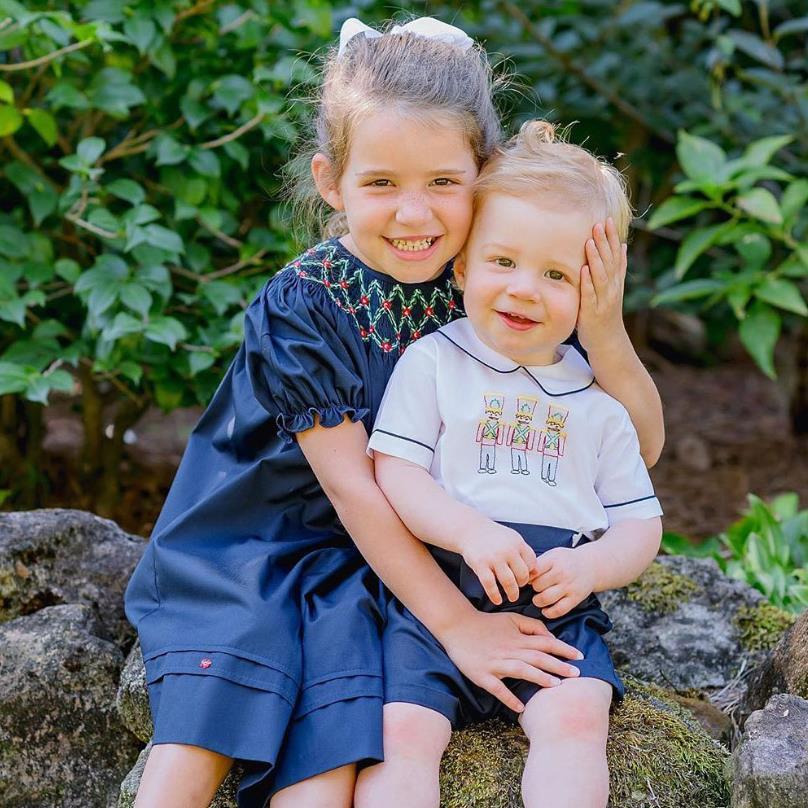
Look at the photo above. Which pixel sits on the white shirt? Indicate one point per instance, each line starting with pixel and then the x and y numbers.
pixel 535 445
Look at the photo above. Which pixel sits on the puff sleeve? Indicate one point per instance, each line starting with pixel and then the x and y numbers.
pixel 302 359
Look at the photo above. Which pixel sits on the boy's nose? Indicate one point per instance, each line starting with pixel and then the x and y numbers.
pixel 413 209
pixel 524 287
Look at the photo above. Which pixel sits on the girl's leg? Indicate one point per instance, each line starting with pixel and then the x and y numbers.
pixel 415 739
pixel 567 726
pixel 181 776
pixel 332 789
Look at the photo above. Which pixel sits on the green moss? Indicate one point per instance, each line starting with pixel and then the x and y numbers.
pixel 762 626
pixel 659 590
pixel 659 757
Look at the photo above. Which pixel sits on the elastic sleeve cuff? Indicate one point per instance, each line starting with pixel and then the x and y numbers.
pixel 642 508
pixel 289 424
pixel 406 448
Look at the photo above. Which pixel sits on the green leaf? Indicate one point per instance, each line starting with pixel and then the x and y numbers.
pixel 761 151
pixel 695 244
pixel 13 242
pixel 131 370
pixel 42 204
pixel 162 57
pixel 13 378
pixel 169 151
pixel 738 297
pixel 66 95
pixel 759 333
pixel 205 162
pixel 90 149
pixel 141 31
pixel 755 249
pixel 754 46
pixel 731 6
pixel 101 217
pixel 199 361
pixel 45 125
pixel 137 298
pixel 237 152
pixel 761 204
pixel 126 189
pixel 6 93
pixel 166 331
pixel 783 294
pixel 60 380
pixel 10 121
pixel 68 269
pixel 689 290
pixel 13 311
pixel 121 326
pixel 796 26
pixel 230 92
pixel 793 201
pixel 194 111
pixel 674 209
pixel 701 159
pixel 164 239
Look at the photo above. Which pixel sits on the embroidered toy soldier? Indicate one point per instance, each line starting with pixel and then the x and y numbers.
pixel 521 435
pixel 490 432
pixel 552 440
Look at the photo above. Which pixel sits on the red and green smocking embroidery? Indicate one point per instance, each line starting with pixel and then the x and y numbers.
pixel 391 316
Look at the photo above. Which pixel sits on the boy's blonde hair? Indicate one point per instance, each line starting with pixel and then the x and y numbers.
pixel 539 161
pixel 423 78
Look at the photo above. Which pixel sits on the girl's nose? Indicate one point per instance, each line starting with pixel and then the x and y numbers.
pixel 521 285
pixel 413 209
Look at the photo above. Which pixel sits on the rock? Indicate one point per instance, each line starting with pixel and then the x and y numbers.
pixel 770 765
pixel 658 755
pixel 133 698
pixel 785 670
pixel 49 557
pixel 685 625
pixel 61 740
pixel 693 452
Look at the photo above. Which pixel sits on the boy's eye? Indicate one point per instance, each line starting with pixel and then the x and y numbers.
pixel 379 183
pixel 554 275
pixel 443 181
pixel 501 261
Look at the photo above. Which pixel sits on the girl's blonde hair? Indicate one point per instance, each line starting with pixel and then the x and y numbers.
pixel 538 160
pixel 423 78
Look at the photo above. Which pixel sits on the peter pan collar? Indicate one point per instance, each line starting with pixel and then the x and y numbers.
pixel 571 374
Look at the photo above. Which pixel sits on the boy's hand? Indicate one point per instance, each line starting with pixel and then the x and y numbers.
pixel 564 577
pixel 600 314
pixel 498 553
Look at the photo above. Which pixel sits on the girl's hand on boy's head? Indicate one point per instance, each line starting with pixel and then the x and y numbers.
pixel 600 314
pixel 492 647
pixel 497 553
pixel 564 577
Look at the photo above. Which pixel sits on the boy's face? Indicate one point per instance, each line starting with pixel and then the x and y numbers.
pixel 520 274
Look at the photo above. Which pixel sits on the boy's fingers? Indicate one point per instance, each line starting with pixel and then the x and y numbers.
pixel 508 582
pixel 495 687
pixel 623 260
pixel 516 669
pixel 521 571
pixel 560 608
pixel 551 664
pixel 530 626
pixel 548 596
pixel 552 645
pixel 596 268
pixel 612 236
pixel 489 584
pixel 602 244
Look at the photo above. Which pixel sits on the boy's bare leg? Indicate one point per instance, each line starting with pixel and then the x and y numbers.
pixel 415 739
pixel 567 727
pixel 332 789
pixel 181 776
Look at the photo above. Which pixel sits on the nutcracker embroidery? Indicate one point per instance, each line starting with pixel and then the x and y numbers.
pixel 521 434
pixel 552 441
pixel 490 432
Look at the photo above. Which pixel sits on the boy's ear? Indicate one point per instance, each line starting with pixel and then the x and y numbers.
pixel 323 175
pixel 460 271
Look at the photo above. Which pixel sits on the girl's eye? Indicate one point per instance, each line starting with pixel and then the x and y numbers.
pixel 379 183
pixel 554 275
pixel 504 262
pixel 443 181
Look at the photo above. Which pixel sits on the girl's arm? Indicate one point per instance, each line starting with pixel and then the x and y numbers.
pixel 486 647
pixel 602 334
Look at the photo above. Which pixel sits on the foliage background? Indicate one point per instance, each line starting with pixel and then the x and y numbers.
pixel 141 144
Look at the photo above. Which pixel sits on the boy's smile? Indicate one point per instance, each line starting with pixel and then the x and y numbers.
pixel 520 274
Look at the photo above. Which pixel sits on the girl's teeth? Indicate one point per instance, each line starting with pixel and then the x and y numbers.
pixel 412 246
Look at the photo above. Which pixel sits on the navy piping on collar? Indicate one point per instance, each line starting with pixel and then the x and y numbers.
pixel 630 502
pixel 513 370
pixel 402 437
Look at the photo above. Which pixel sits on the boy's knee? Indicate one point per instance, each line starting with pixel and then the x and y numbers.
pixel 575 710
pixel 414 731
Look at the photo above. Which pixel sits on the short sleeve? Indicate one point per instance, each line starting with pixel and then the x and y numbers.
pixel 409 422
pixel 622 481
pixel 301 365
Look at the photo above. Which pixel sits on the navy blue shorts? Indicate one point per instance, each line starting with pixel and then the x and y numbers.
pixel 417 670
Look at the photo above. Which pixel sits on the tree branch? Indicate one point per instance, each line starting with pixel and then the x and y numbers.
pixel 48 57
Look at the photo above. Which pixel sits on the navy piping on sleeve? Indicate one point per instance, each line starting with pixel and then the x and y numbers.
pixel 630 502
pixel 402 437
pixel 513 370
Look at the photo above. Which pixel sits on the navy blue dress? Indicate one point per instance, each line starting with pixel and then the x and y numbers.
pixel 259 620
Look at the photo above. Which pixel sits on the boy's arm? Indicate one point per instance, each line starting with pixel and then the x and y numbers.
pixel 603 336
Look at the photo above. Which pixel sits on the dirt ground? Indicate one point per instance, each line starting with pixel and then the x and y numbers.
pixel 727 434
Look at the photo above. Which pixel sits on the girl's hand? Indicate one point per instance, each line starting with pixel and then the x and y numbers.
pixel 564 577
pixel 600 314
pixel 491 647
pixel 498 553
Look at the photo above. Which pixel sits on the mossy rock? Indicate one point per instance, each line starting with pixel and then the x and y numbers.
pixel 659 589
pixel 762 626
pixel 659 757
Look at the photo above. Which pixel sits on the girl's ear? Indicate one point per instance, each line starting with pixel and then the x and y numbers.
pixel 321 171
pixel 460 271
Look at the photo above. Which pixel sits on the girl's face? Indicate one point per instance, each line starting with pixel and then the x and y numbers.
pixel 406 193
pixel 520 274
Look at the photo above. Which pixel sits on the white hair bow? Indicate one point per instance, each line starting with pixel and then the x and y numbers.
pixel 427 27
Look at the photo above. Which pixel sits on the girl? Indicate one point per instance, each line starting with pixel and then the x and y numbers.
pixel 259 619
pixel 562 466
